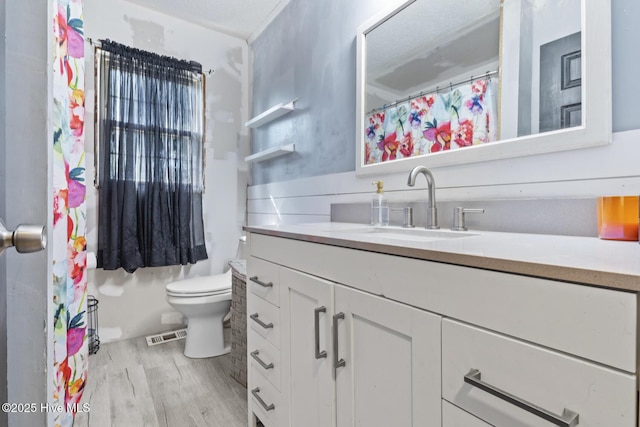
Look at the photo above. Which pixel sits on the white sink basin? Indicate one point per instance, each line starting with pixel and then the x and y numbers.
pixel 398 233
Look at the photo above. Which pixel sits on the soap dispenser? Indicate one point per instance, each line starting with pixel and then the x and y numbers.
pixel 379 207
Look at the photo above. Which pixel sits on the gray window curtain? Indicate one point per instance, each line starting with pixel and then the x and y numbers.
pixel 150 137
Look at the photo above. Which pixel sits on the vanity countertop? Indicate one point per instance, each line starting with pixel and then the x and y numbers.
pixel 585 260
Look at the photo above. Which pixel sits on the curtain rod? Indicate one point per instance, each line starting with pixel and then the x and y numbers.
pixel 450 86
pixel 98 45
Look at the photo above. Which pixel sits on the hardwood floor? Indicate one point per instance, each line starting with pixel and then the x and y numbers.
pixel 130 384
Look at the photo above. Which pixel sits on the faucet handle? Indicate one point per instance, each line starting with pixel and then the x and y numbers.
pixel 458 217
pixel 408 216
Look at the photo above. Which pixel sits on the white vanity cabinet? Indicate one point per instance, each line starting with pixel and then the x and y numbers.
pixel 367 338
pixel 350 358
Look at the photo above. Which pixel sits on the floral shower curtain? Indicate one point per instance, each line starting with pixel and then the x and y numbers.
pixel 70 350
pixel 432 123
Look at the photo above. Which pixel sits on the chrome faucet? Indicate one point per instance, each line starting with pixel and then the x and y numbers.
pixel 432 211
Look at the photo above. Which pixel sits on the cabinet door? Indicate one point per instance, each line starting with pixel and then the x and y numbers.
pixel 388 370
pixel 307 382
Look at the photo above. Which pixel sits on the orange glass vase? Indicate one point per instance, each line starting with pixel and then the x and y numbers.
pixel 618 217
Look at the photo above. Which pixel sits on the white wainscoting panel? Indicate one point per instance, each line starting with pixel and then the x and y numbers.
pixel 609 170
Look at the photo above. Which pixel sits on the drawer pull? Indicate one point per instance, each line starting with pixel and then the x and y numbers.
pixel 266 407
pixel 255 279
pixel 255 318
pixel 255 356
pixel 567 419
pixel 337 362
pixel 316 321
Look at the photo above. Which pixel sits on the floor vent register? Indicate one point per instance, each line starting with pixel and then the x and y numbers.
pixel 166 337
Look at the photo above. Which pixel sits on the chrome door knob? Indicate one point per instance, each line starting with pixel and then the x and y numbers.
pixel 25 238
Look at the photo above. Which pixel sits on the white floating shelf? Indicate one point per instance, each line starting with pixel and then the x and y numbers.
pixel 271 114
pixel 271 153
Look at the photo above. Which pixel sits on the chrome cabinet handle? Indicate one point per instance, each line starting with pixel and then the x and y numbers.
pixel 266 407
pixel 316 321
pixel 567 419
pixel 255 354
pixel 255 318
pixel 255 279
pixel 337 362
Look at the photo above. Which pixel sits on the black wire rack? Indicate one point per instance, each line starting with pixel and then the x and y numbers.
pixel 92 315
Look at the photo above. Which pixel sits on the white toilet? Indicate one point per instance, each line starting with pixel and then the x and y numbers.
pixel 204 301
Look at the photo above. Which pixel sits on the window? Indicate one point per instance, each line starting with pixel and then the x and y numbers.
pixel 149 159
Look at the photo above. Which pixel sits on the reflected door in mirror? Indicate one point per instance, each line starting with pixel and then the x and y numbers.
pixel 561 83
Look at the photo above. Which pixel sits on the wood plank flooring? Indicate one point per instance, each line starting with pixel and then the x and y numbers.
pixel 132 385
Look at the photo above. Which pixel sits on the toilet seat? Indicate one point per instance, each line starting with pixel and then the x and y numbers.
pixel 198 294
pixel 219 284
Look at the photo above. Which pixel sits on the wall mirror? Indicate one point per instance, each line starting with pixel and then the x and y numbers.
pixel 447 82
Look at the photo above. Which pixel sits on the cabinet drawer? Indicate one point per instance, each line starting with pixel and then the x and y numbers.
pixel 265 400
pixel 452 416
pixel 264 319
pixel 262 352
pixel 533 375
pixel 263 280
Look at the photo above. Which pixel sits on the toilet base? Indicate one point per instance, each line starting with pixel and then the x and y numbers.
pixel 195 354
pixel 205 337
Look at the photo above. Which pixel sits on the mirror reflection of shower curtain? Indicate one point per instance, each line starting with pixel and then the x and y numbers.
pixel 462 116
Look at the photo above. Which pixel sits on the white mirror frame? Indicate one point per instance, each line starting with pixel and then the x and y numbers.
pixel 596 102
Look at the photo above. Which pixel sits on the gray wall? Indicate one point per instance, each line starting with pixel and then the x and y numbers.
pixel 24 198
pixel 309 52
pixel 626 63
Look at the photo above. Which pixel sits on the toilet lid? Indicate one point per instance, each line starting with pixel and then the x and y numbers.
pixel 204 285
